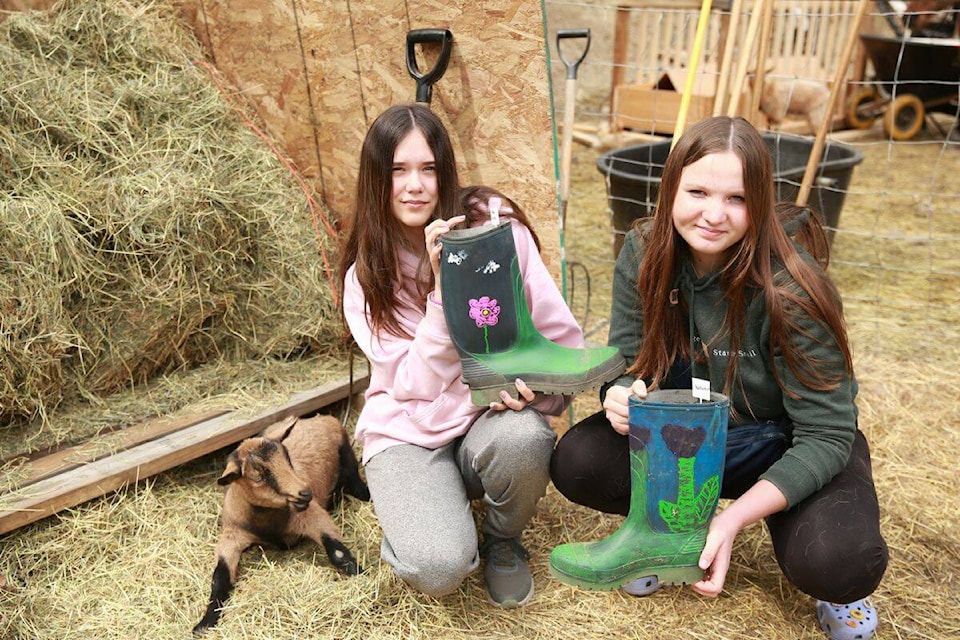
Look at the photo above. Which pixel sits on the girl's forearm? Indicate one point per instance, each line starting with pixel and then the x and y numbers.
pixel 760 501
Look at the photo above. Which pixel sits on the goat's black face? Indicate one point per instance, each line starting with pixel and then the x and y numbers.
pixel 269 477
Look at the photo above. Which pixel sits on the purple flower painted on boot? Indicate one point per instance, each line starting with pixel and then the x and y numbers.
pixel 683 442
pixel 485 311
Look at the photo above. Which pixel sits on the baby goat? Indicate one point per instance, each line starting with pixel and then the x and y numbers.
pixel 279 487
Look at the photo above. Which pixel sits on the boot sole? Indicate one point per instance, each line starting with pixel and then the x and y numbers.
pixel 665 575
pixel 485 389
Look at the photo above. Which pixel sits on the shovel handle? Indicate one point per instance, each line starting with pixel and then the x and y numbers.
pixel 425 80
pixel 572 65
pixel 566 141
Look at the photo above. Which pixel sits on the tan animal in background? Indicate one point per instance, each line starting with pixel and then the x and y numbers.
pixel 279 487
pixel 795 97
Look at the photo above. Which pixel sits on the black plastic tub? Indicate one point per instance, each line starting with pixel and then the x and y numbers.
pixel 633 175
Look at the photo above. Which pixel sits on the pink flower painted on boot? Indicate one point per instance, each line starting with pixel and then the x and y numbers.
pixel 485 311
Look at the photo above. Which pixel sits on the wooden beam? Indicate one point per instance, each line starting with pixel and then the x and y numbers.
pixel 836 88
pixel 729 31
pixel 746 54
pixel 621 42
pixel 104 445
pixel 766 35
pixel 75 486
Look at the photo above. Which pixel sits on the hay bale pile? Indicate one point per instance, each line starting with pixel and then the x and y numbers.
pixel 144 227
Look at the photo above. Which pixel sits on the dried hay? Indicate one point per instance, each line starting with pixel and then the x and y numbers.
pixel 144 227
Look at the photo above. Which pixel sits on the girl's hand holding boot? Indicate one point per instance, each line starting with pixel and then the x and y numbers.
pixel 761 500
pixel 527 395
pixel 715 558
pixel 617 405
pixel 432 234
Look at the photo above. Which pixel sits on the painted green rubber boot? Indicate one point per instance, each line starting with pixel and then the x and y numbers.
pixel 677 446
pixel 486 311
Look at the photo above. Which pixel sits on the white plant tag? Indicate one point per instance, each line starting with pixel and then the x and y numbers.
pixel 493 205
pixel 701 389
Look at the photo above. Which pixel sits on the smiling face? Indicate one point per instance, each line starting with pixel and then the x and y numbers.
pixel 414 193
pixel 709 209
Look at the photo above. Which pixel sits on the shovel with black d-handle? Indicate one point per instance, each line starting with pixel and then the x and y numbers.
pixel 425 80
pixel 566 141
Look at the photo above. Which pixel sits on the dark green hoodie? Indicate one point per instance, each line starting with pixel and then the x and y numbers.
pixel 823 422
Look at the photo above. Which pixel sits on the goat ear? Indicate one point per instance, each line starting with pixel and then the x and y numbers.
pixel 280 430
pixel 232 472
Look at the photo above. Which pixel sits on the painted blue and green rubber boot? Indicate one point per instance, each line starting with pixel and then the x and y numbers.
pixel 485 307
pixel 677 446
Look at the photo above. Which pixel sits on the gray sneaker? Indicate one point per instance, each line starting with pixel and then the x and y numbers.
pixel 506 572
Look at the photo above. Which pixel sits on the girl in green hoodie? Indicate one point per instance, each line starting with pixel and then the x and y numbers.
pixel 715 277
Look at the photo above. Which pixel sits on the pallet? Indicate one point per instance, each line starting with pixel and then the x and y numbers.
pixel 70 476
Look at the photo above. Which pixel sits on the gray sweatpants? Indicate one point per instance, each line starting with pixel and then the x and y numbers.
pixel 422 496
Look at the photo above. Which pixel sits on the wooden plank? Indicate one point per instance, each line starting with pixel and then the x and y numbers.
pixel 621 45
pixel 105 444
pixel 73 487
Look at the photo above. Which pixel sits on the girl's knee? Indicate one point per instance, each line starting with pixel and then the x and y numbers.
pixel 528 436
pixel 569 469
pixel 531 426
pixel 837 574
pixel 438 572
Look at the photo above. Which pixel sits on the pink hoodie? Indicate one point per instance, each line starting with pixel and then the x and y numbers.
pixel 416 395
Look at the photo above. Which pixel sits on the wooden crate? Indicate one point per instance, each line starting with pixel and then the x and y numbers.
pixel 655 37
pixel 653 107
pixel 648 109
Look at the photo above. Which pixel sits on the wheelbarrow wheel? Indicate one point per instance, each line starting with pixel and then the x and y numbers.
pixel 904 117
pixel 863 108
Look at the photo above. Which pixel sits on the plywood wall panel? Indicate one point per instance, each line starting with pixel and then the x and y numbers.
pixel 379 30
pixel 256 46
pixel 333 82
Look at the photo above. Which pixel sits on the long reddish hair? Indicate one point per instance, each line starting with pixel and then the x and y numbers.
pixel 749 269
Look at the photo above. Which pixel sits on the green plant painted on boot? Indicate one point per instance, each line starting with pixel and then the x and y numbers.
pixel 692 509
pixel 485 312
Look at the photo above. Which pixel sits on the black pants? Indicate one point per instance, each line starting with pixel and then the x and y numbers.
pixel 829 545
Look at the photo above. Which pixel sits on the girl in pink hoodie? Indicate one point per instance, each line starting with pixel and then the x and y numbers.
pixel 428 451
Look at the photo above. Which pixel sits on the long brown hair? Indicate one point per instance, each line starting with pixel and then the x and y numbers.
pixel 750 267
pixel 375 233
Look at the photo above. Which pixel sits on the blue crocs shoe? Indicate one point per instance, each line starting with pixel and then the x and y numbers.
pixel 854 621
pixel 641 586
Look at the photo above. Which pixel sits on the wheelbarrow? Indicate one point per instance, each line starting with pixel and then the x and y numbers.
pixel 913 76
